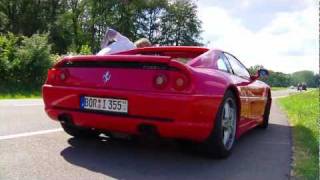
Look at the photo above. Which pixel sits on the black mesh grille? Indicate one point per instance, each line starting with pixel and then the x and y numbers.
pixel 110 64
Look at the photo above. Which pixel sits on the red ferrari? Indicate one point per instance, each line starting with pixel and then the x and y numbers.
pixel 185 93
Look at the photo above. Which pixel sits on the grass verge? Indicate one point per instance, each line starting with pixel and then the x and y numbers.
pixel 303 112
pixel 20 95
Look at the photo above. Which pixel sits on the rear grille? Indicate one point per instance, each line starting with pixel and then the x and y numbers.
pixel 110 64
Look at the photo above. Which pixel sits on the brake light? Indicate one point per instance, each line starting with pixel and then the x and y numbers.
pixel 160 81
pixel 56 76
pixel 177 81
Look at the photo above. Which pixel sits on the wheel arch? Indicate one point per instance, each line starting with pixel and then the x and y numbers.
pixel 234 90
pixel 269 94
pixel 269 98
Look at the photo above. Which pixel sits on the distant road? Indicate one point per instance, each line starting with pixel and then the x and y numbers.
pixel 34 147
pixel 283 93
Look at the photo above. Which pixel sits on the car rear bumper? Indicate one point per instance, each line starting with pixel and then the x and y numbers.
pixel 182 116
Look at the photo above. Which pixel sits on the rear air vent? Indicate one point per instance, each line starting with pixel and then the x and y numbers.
pixel 135 65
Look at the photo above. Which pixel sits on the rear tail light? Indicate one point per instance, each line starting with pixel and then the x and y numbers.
pixel 56 76
pixel 180 83
pixel 160 81
pixel 177 81
pixel 51 76
pixel 63 76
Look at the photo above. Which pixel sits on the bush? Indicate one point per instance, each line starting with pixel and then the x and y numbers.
pixel 8 50
pixel 85 50
pixel 24 62
pixel 33 61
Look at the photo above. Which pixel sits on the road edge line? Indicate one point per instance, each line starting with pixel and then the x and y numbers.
pixel 27 134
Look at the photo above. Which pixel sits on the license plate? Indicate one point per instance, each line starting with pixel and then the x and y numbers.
pixel 104 104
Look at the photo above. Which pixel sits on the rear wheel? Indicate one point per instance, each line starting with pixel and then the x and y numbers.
pixel 221 140
pixel 265 122
pixel 79 132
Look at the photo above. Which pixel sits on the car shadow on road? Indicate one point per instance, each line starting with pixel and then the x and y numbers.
pixel 259 154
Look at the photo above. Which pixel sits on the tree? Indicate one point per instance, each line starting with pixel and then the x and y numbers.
pixel 31 62
pixel 278 79
pixel 180 24
pixel 3 21
pixel 74 23
pixel 316 81
pixel 141 18
pixel 28 17
pixel 100 15
pixel 60 35
pixel 24 61
pixel 147 19
pixel 284 80
pixel 8 50
pixel 307 77
pixel 253 69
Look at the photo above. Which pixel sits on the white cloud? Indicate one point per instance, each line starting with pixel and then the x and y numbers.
pixel 245 3
pixel 288 43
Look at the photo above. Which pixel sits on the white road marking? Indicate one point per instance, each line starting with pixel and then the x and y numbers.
pixel 21 102
pixel 21 105
pixel 13 136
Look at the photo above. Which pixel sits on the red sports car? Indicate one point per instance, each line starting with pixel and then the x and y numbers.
pixel 185 93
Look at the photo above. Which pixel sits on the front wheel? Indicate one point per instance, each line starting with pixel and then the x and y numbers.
pixel 222 138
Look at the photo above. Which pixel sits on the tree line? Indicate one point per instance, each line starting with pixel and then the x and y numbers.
pixel 34 32
pixel 72 24
pixel 279 79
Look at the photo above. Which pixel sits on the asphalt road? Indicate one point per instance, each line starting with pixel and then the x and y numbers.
pixel 34 147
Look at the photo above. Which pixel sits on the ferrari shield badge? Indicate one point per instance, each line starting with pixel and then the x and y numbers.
pixel 106 77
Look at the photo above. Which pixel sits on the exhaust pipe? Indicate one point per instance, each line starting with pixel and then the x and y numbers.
pixel 65 119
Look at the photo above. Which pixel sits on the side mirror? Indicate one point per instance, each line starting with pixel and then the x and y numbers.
pixel 261 73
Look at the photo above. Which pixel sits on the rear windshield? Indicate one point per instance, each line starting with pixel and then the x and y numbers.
pixel 182 60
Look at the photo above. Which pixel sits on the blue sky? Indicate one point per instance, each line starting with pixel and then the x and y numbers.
pixel 282 35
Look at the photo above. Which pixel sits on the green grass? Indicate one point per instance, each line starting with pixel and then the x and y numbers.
pixel 303 111
pixel 278 88
pixel 20 95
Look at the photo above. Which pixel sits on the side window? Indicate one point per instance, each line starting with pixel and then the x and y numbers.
pixel 221 64
pixel 237 67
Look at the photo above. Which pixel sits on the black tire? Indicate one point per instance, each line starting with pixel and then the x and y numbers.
pixel 266 114
pixel 214 146
pixel 79 132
